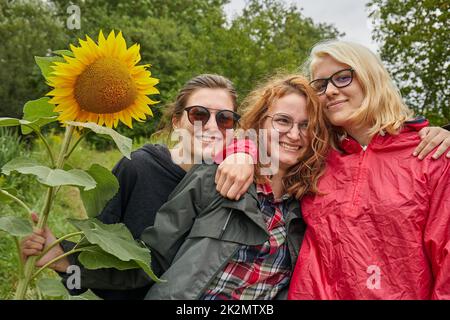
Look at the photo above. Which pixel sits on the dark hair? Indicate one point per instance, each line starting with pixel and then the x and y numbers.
pixel 208 81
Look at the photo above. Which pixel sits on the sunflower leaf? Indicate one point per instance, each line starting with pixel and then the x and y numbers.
pixel 45 64
pixel 64 52
pixel 9 122
pixel 39 112
pixel 15 226
pixel 107 186
pixel 93 257
pixel 124 144
pixel 54 288
pixel 50 177
pixel 115 240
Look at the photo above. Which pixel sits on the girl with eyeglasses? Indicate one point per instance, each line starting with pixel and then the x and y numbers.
pixel 378 226
pixel 381 228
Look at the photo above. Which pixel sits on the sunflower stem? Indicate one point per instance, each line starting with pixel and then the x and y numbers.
pixel 31 261
pixel 17 200
pixel 75 145
pixel 47 146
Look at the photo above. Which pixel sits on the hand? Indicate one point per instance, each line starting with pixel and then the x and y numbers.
pixel 235 175
pixel 431 138
pixel 37 242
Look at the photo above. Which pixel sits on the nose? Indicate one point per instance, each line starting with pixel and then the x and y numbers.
pixel 294 134
pixel 331 89
pixel 211 125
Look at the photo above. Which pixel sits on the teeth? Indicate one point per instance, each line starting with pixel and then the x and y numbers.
pixel 289 147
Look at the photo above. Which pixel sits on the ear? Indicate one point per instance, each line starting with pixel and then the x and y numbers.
pixel 175 123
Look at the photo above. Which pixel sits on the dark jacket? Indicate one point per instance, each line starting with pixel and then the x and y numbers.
pixel 195 235
pixel 145 183
pixel 198 231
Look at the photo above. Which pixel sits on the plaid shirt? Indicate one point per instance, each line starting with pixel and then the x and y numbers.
pixel 257 272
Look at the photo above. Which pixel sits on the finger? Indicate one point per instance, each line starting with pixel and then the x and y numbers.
pixel 221 182
pixel 37 239
pixel 425 141
pixel 233 192
pixel 33 245
pixel 245 187
pixel 30 252
pixel 429 147
pixel 440 151
pixel 226 187
pixel 424 132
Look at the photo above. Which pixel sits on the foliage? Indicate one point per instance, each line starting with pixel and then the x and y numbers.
pixel 182 38
pixel 416 47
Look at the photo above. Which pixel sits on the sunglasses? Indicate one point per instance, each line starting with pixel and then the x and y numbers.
pixel 339 79
pixel 225 119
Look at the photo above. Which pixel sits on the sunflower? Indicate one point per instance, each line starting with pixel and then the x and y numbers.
pixel 102 83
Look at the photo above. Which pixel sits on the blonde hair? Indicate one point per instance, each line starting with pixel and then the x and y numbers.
pixel 302 177
pixel 382 107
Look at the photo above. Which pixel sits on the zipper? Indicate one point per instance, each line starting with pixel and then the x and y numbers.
pixel 226 224
pixel 358 180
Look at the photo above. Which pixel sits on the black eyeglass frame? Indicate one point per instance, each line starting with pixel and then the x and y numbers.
pixel 330 79
pixel 236 117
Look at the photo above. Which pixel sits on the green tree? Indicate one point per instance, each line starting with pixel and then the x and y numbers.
pixel 180 38
pixel 416 47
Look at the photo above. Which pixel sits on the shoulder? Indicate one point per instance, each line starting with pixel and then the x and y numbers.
pixel 203 174
pixel 144 157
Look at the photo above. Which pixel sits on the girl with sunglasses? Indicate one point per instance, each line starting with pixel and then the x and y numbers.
pixel 146 181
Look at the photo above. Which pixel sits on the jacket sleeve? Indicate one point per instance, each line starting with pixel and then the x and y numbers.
pixel 173 222
pixel 437 234
pixel 175 218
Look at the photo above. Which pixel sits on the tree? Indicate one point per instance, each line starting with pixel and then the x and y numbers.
pixel 180 38
pixel 416 48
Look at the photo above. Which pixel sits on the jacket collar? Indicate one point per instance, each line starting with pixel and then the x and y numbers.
pixel 349 145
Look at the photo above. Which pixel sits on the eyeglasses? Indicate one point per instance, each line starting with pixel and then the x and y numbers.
pixel 283 123
pixel 340 79
pixel 225 119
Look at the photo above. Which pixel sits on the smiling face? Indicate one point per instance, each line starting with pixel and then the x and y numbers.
pixel 290 144
pixel 339 103
pixel 208 139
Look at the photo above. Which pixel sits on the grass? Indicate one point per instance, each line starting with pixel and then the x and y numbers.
pixel 66 205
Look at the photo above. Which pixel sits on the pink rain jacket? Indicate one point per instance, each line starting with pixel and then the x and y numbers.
pixel 382 231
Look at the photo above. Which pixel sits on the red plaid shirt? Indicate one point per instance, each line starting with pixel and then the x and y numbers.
pixel 257 272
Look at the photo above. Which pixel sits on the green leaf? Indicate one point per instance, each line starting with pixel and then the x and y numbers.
pixel 107 186
pixel 15 226
pixel 39 112
pixel 52 288
pixel 55 289
pixel 88 295
pixel 116 240
pixel 123 143
pixel 64 52
pixel 94 257
pixel 9 122
pixel 45 64
pixel 50 177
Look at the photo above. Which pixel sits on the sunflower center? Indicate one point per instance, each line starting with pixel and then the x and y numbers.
pixel 105 86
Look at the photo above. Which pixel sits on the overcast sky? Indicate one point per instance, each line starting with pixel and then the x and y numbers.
pixel 349 16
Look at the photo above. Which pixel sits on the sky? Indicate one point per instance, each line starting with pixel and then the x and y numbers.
pixel 349 16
